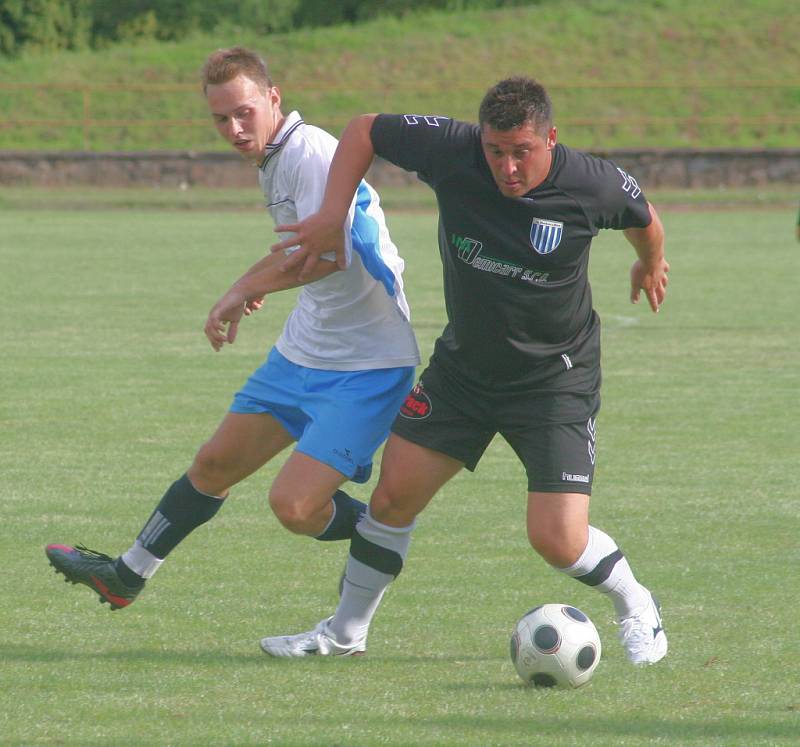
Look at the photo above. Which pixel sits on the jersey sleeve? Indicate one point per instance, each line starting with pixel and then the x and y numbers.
pixel 425 144
pixel 306 180
pixel 616 200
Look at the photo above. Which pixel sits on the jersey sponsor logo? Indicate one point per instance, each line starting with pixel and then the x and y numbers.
pixel 546 235
pixel 428 119
pixel 629 184
pixel 469 251
pixel 417 405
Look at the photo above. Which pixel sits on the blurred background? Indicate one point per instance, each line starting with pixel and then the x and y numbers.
pixel 686 94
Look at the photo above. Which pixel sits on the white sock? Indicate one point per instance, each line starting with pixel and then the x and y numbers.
pixel 603 566
pixel 376 558
pixel 142 562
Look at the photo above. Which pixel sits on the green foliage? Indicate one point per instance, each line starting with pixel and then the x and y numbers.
pixel 71 24
pixel 44 25
pixel 325 13
pixel 173 20
pixel 622 73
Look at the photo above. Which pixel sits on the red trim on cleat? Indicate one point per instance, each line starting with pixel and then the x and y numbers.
pixel 80 565
pixel 65 548
pixel 103 590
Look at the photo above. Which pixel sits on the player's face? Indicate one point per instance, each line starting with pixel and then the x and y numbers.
pixel 247 116
pixel 518 158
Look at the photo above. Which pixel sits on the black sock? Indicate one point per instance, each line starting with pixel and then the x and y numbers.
pixel 181 510
pixel 127 576
pixel 347 512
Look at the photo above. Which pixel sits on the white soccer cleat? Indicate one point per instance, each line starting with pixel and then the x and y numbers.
pixel 317 642
pixel 642 634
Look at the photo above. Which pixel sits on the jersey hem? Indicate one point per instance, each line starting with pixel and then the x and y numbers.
pixel 359 365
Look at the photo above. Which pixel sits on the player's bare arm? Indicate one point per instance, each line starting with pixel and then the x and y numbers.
pixel 649 272
pixel 247 293
pixel 324 231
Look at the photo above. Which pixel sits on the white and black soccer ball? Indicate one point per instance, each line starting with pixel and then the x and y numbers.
pixel 555 645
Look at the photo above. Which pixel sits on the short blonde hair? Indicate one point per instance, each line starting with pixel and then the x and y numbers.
pixel 226 64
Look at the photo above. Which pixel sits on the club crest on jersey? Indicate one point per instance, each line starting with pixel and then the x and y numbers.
pixel 546 235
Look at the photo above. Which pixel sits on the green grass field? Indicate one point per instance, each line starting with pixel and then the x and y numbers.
pixel 109 387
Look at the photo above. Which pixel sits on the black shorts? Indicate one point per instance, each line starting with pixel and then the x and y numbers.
pixel 553 434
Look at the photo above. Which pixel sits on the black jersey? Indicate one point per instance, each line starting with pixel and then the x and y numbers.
pixel 517 293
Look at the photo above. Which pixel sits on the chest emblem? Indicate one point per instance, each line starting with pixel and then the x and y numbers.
pixel 546 235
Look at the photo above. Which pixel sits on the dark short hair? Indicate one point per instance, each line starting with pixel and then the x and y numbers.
pixel 226 64
pixel 513 102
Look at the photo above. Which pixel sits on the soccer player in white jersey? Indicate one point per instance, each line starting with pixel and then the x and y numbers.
pixel 334 380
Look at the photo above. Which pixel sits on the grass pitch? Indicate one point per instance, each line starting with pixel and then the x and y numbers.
pixel 109 387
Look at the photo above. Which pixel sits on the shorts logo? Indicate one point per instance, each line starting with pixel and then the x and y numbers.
pixel 417 405
pixel 546 235
pixel 567 477
pixel 346 455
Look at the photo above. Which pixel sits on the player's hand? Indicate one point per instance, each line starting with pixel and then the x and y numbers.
pixel 222 324
pixel 313 237
pixel 652 280
pixel 251 307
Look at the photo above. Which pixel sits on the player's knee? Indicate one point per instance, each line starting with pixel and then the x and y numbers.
pixel 298 514
pixel 209 470
pixel 390 508
pixel 558 546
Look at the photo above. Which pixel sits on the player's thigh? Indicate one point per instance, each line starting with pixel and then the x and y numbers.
pixel 410 476
pixel 242 444
pixel 441 419
pixel 555 438
pixel 349 414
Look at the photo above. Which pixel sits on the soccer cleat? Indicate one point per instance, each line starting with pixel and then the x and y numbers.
pixel 317 642
pixel 79 565
pixel 642 634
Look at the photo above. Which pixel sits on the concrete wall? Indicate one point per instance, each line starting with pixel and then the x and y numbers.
pixel 652 168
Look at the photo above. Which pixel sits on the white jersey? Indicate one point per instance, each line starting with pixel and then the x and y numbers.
pixel 357 318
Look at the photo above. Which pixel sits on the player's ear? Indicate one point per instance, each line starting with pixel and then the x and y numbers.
pixel 552 137
pixel 274 95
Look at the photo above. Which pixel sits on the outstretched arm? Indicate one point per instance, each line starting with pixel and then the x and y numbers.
pixel 649 272
pixel 324 231
pixel 247 293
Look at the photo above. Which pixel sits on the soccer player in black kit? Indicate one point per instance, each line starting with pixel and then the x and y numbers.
pixel 520 354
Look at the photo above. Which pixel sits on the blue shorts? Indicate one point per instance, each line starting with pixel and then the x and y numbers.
pixel 339 418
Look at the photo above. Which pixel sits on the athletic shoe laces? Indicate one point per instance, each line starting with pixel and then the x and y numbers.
pixel 93 554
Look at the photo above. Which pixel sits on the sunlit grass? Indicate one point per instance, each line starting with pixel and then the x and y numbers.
pixel 109 387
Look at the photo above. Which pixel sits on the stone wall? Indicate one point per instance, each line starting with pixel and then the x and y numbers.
pixel 673 168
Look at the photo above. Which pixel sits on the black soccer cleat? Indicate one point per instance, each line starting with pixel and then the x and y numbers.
pixel 98 571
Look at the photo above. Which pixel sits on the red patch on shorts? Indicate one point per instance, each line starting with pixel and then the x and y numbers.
pixel 417 405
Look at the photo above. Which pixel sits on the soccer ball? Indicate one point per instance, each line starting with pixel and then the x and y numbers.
pixel 555 645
